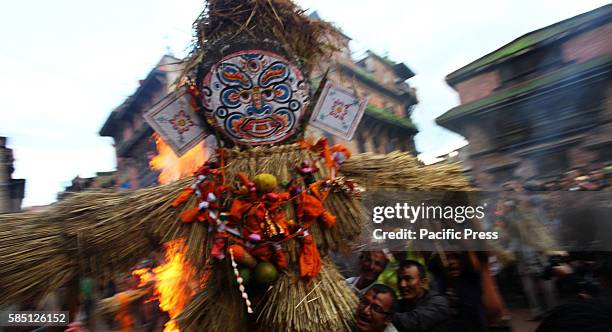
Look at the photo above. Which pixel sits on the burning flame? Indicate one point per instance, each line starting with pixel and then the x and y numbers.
pixel 174 168
pixel 173 282
pixel 145 276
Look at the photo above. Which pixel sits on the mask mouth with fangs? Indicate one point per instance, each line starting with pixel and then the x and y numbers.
pixel 260 127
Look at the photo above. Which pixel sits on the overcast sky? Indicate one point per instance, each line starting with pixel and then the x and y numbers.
pixel 65 64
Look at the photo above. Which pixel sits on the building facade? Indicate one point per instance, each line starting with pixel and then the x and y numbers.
pixel 386 125
pixel 540 105
pixel 11 190
pixel 132 135
pixel 102 180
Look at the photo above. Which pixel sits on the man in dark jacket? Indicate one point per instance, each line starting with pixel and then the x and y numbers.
pixel 419 309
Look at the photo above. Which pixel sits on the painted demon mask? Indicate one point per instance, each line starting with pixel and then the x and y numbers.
pixel 254 97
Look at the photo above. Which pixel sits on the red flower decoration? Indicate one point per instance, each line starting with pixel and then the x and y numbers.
pixel 339 110
pixel 181 122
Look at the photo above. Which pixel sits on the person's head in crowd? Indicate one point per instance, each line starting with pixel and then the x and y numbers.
pixel 507 186
pixel 566 182
pixel 584 182
pixel 587 315
pixel 576 179
pixel 411 280
pixel 575 172
pixel 371 265
pixel 509 204
pixel 596 174
pixel 598 178
pixel 518 185
pixel 533 185
pixel 456 263
pixel 376 308
pixel 551 185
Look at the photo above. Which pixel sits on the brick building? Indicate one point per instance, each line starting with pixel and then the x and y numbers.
pixel 386 125
pixel 11 190
pixel 134 144
pixel 540 105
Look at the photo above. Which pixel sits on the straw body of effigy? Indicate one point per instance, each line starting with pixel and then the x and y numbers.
pixel 402 171
pixel 219 300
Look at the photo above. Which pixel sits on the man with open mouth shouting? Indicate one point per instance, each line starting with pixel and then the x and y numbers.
pixel 375 309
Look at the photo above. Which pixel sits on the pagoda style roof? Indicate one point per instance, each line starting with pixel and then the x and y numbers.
pixel 533 40
pixel 568 75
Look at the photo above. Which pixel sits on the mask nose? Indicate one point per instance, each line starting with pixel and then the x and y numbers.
pixel 257 101
pixel 258 105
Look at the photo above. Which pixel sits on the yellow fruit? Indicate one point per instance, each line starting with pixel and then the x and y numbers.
pixel 265 183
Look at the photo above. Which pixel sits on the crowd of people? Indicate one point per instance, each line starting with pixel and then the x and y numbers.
pixel 450 292
pixel 552 259
pixel 595 178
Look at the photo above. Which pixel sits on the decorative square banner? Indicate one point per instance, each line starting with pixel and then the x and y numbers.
pixel 174 119
pixel 338 111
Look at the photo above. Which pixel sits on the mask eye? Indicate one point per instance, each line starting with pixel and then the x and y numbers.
pixel 268 94
pixel 245 96
pixel 253 65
